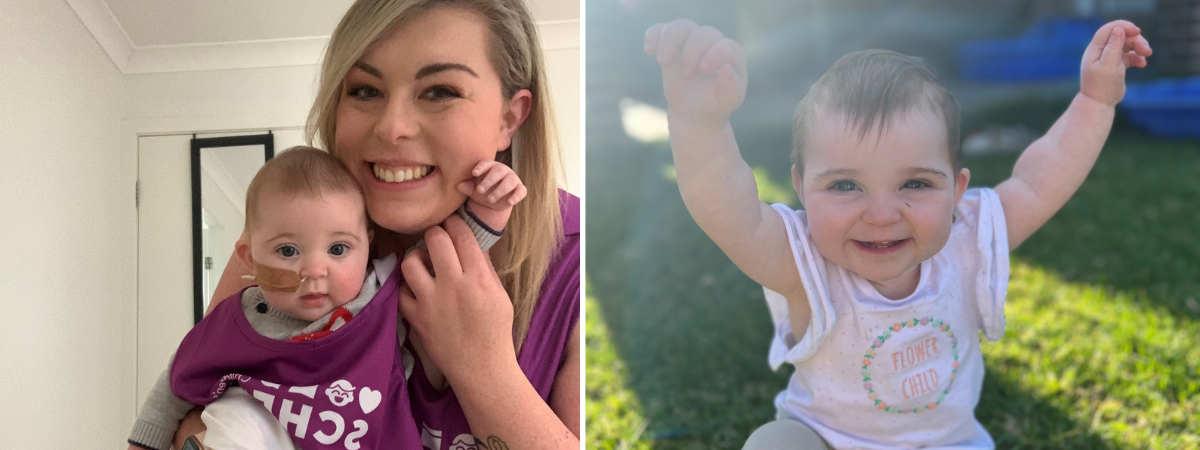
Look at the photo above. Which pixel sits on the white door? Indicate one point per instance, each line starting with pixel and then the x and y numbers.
pixel 165 284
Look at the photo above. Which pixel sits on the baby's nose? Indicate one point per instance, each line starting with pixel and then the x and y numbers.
pixel 314 268
pixel 882 210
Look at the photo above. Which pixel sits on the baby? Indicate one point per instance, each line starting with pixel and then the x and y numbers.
pixel 879 287
pixel 312 342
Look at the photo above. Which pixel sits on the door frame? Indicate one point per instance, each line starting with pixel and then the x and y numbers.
pixel 131 131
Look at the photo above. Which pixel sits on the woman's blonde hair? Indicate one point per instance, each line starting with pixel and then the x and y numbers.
pixel 515 53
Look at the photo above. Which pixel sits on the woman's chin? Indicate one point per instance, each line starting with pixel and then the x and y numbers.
pixel 406 221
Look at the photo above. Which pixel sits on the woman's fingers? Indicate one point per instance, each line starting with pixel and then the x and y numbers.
pixel 415 268
pixel 441 250
pixel 408 303
pixel 465 247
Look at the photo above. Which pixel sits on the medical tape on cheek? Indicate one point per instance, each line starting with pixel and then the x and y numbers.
pixel 271 279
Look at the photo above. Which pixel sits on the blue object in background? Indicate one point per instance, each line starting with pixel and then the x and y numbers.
pixel 1165 108
pixel 1050 49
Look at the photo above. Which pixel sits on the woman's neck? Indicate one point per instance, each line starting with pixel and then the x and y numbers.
pixel 386 242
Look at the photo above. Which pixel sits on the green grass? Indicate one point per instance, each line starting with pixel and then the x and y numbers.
pixel 1103 342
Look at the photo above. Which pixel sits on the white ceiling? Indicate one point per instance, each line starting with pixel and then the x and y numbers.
pixel 154 36
pixel 183 22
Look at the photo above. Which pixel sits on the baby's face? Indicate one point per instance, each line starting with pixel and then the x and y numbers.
pixel 322 238
pixel 882 205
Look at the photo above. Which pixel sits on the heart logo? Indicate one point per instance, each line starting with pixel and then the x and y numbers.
pixel 369 399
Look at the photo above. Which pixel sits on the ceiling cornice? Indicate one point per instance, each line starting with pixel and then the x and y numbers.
pixel 131 59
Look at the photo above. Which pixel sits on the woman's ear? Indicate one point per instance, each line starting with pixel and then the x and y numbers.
pixel 518 110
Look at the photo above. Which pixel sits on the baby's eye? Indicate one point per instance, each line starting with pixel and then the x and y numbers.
pixel 363 92
pixel 915 184
pixel 338 249
pixel 287 251
pixel 439 93
pixel 844 186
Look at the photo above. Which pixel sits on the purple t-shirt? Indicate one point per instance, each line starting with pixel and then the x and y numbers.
pixel 438 415
pixel 344 391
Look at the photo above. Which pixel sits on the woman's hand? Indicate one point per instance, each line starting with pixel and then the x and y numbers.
pixel 459 309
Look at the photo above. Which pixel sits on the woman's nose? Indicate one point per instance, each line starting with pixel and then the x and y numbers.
pixel 882 210
pixel 397 122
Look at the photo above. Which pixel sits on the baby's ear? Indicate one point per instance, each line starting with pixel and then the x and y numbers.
pixel 798 183
pixel 370 235
pixel 960 183
pixel 242 250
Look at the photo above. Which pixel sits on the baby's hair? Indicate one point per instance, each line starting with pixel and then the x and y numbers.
pixel 869 88
pixel 300 171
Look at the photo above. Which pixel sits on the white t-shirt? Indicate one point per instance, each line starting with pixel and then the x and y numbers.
pixel 874 373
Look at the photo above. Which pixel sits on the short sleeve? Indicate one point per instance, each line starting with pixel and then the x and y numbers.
pixel 981 212
pixel 811 268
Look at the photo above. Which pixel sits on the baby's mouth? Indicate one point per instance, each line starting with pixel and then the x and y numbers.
pixel 881 244
pixel 401 174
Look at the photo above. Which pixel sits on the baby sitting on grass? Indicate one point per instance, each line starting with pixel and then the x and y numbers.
pixel 880 286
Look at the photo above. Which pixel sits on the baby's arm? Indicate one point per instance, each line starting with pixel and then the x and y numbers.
pixel 491 196
pixel 704 78
pixel 159 417
pixel 1053 167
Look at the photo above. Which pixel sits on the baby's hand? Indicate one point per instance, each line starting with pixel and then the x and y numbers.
pixel 1116 46
pixel 493 192
pixel 704 72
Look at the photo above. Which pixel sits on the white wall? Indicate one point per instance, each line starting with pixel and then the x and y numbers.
pixel 61 279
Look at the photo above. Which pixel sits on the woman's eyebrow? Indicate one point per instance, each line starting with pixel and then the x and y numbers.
pixel 442 67
pixel 369 69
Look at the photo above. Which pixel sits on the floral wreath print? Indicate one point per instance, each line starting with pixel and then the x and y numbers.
pixel 883 405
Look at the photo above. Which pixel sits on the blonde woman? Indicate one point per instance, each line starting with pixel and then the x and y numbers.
pixel 422 91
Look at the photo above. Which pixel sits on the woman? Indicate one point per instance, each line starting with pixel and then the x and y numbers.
pixel 446 84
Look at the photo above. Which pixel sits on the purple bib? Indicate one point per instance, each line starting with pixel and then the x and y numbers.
pixel 344 391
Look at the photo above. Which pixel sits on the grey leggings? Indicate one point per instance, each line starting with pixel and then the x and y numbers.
pixel 785 434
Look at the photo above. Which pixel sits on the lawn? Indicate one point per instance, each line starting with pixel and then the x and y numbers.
pixel 1101 349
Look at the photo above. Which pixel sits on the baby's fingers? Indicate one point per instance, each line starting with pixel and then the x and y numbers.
pixel 671 39
pixel 503 188
pixel 725 51
pixel 697 45
pixel 1114 50
pixel 652 36
pixel 490 179
pixel 1138 45
pixel 1135 60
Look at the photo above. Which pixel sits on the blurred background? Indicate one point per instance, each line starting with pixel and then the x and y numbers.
pixel 1104 301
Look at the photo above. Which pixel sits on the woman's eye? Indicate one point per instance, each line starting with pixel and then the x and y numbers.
pixel 363 92
pixel 440 93
pixel 844 186
pixel 339 249
pixel 915 184
pixel 287 251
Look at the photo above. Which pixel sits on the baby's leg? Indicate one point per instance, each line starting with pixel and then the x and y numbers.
pixel 785 434
pixel 237 421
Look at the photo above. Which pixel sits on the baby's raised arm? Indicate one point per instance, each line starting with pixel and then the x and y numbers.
pixel 704 78
pixel 1053 167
